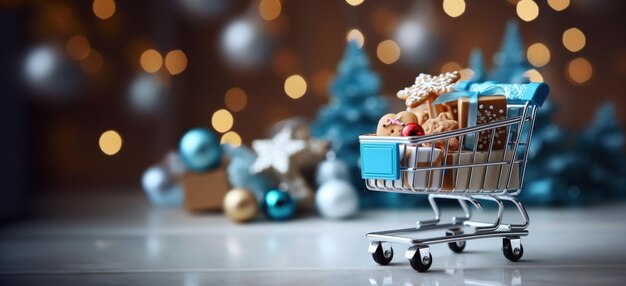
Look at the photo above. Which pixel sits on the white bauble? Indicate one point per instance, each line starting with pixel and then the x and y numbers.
pixel 337 199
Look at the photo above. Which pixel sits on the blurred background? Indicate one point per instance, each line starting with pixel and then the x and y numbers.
pixel 95 92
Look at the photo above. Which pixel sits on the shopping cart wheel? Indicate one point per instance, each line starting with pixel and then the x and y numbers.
pixel 383 257
pixel 512 248
pixel 421 263
pixel 456 246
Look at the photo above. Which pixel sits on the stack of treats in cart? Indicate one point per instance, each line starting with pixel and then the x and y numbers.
pixel 466 141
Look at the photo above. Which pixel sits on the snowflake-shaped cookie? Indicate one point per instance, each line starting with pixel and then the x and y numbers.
pixel 276 153
pixel 427 86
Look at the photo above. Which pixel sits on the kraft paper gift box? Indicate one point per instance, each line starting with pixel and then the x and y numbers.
pixel 205 191
pixel 490 174
pixel 417 179
pixel 489 108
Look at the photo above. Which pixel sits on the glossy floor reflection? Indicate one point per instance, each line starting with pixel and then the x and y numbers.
pixel 122 240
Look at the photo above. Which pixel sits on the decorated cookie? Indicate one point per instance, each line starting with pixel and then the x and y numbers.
pixel 427 88
pixel 442 124
pixel 392 124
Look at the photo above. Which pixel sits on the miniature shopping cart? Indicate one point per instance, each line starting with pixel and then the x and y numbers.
pixel 478 172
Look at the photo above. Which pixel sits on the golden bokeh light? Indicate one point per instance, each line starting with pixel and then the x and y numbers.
pixel 558 5
pixel 454 8
pixel 533 75
pixel 574 39
pixel 295 86
pixel 103 9
pixel 222 120
pixel 78 47
pixel 232 138
pixel 355 2
pixel 450 66
pixel 176 62
pixel 466 74
pixel 579 70
pixel 357 36
pixel 269 9
pixel 236 99
pixel 151 61
pixel 110 142
pixel 93 63
pixel 527 10
pixel 538 54
pixel 388 52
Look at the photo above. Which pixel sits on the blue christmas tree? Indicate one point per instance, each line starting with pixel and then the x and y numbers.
pixel 565 167
pixel 477 65
pixel 510 62
pixel 355 107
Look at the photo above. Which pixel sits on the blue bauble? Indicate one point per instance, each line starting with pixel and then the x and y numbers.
pixel 200 149
pixel 279 205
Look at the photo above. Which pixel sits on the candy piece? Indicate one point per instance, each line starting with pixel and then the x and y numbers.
pixel 412 129
pixel 392 124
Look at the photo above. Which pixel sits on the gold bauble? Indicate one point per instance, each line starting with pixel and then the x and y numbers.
pixel 240 205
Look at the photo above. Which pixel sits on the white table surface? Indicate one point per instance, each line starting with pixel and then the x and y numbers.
pixel 121 240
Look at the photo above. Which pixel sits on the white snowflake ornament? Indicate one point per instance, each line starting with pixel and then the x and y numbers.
pixel 428 87
pixel 276 153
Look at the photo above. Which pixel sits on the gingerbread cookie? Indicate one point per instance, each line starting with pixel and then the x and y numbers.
pixel 442 124
pixel 391 124
pixel 427 88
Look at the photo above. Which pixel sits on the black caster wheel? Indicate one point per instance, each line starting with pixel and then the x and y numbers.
pixel 513 254
pixel 382 257
pixel 456 246
pixel 419 264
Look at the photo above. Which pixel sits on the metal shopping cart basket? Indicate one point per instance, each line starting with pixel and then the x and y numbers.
pixel 478 172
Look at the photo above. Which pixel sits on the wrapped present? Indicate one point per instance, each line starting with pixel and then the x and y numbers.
pixel 480 178
pixel 413 156
pixel 205 191
pixel 476 108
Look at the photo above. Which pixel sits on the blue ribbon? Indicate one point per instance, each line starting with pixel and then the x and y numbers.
pixel 473 99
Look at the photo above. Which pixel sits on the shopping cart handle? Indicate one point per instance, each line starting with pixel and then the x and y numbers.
pixel 534 92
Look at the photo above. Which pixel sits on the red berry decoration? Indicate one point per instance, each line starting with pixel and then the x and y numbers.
pixel 412 129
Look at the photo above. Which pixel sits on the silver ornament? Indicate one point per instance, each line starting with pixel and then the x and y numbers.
pixel 160 187
pixel 337 199
pixel 332 169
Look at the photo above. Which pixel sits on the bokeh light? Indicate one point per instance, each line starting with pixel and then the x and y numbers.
pixel 527 10
pixel 388 51
pixel 454 8
pixel 450 66
pixel 574 39
pixel 558 5
pixel 110 142
pixel 579 70
pixel 355 2
pixel 466 74
pixel 103 9
pixel 269 9
pixel 321 81
pixel 93 63
pixel 533 75
pixel 295 86
pixel 151 61
pixel 538 54
pixel 356 35
pixel 236 99
pixel 222 120
pixel 232 138
pixel 176 62
pixel 78 47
